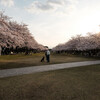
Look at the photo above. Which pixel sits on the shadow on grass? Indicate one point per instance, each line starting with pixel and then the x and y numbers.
pixel 81 83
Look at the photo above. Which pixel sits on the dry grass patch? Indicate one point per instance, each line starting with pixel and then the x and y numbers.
pixel 82 83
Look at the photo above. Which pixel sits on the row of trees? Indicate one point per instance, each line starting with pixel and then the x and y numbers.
pixel 15 36
pixel 85 45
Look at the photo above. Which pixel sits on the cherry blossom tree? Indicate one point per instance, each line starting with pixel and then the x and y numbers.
pixel 13 34
pixel 89 44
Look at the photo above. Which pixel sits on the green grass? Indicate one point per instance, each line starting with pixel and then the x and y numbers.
pixel 21 60
pixel 81 83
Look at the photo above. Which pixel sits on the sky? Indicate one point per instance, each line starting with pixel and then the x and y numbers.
pixel 52 22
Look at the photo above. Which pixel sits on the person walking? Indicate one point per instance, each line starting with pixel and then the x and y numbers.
pixel 47 54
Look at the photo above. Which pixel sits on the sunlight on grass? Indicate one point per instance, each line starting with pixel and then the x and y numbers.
pixel 21 60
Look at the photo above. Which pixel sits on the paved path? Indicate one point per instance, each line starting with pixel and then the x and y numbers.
pixel 28 70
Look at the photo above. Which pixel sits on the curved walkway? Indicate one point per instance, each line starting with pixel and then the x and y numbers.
pixel 29 70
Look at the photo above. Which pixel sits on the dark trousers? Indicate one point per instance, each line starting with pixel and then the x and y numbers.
pixel 48 58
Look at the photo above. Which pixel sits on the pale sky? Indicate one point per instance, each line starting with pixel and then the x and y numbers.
pixel 55 21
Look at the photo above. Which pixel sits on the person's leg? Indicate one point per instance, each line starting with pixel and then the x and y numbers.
pixel 48 58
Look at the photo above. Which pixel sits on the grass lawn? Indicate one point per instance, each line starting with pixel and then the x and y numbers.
pixel 21 60
pixel 81 83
